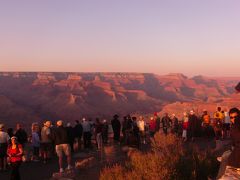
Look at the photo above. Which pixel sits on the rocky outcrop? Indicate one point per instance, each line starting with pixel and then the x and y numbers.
pixel 73 95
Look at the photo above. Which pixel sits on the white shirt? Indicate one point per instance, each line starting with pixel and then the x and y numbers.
pixel 227 119
pixel 4 137
pixel 141 125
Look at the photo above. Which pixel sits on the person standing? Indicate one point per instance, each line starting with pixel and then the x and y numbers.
pixel 15 152
pixel 78 131
pixel 141 126
pixel 35 142
pixel 175 124
pixel 227 125
pixel 116 126
pixel 61 140
pixel 218 123
pixel 105 131
pixel 71 135
pixel 194 128
pixel 86 133
pixel 21 135
pixel 185 126
pixel 4 138
pixel 152 127
pixel 98 133
pixel 166 122
pixel 46 141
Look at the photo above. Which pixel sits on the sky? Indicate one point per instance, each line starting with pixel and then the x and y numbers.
pixel 192 37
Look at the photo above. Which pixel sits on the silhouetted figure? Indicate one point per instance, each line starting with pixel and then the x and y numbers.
pixel 166 122
pixel 116 126
pixel 21 135
pixel 78 131
pixel 194 128
pixel 98 133
pixel 175 124
pixel 71 135
pixel 86 133
pixel 105 131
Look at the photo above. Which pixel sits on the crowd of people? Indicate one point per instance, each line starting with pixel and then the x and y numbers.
pixel 65 139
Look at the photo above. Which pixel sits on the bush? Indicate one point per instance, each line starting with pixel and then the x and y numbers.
pixel 166 160
pixel 159 163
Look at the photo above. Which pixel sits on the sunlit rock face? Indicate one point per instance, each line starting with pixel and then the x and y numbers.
pixel 29 97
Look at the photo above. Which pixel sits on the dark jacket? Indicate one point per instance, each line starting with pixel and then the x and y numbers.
pixel 234 158
pixel 60 135
pixel 21 136
pixel 78 130
pixel 116 125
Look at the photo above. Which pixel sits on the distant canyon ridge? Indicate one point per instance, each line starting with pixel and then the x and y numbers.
pixel 36 96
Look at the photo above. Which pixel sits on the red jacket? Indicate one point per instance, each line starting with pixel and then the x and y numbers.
pixel 185 125
pixel 152 125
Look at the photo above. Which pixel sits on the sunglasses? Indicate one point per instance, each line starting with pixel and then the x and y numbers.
pixel 233 117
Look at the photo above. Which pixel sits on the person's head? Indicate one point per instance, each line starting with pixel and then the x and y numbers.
pixel 141 118
pixel 134 118
pixel 104 121
pixel 234 113
pixel 173 115
pixel 205 112
pixel 48 124
pixel 115 116
pixel 97 120
pixel 152 118
pixel 219 109
pixel 185 114
pixel 35 127
pixel 192 112
pixel 226 114
pixel 59 123
pixel 18 126
pixel 77 121
pixel 83 119
pixel 14 140
pixel 69 124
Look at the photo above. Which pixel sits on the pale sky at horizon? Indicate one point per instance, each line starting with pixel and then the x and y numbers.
pixel 171 36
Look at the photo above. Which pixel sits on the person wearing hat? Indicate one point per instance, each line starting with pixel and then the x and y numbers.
pixel 116 126
pixel 15 152
pixel 4 138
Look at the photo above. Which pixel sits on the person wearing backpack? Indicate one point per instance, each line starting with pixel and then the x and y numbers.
pixel 15 152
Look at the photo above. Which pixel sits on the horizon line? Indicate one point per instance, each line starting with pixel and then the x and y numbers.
pixel 119 72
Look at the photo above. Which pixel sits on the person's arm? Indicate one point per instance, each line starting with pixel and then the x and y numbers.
pixel 20 151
